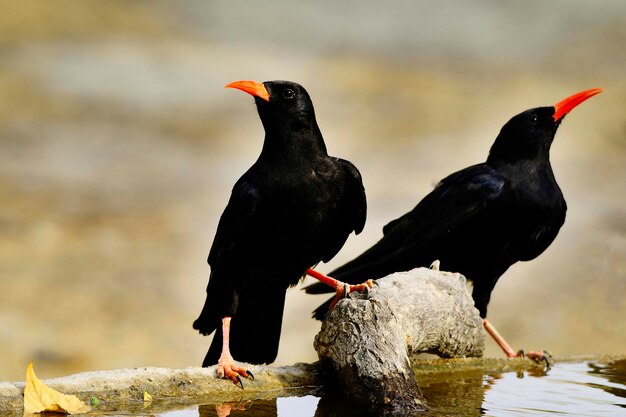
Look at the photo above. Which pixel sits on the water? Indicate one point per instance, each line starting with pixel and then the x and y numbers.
pixel 590 389
pixel 568 389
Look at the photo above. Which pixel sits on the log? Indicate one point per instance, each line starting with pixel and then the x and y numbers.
pixel 365 344
pixel 367 339
pixel 122 389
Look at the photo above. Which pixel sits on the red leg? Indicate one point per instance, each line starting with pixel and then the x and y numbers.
pixel 508 350
pixel 226 367
pixel 340 287
pixel 224 409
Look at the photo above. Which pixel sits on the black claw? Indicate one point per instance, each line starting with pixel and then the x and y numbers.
pixel 521 353
pixel 240 381
pixel 547 361
pixel 546 358
pixel 250 375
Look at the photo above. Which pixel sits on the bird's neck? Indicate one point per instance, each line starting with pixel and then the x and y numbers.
pixel 532 172
pixel 304 144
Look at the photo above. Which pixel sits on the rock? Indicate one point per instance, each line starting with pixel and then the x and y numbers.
pixel 367 339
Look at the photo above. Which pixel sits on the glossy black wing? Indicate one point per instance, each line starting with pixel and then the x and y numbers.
pixel 236 219
pixel 453 202
pixel 351 209
pixel 356 202
pixel 545 234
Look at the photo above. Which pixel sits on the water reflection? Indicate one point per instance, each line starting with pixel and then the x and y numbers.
pixel 262 408
pixel 573 389
pixel 460 395
pixel 305 406
pixel 615 373
pixel 590 389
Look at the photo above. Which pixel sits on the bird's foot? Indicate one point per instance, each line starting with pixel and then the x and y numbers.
pixel 224 409
pixel 538 356
pixel 542 356
pixel 363 287
pixel 343 290
pixel 227 369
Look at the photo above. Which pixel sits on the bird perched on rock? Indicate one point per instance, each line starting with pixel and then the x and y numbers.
pixel 481 220
pixel 293 208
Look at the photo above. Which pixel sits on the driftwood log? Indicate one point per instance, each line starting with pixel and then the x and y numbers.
pixel 365 343
pixel 367 339
pixel 122 389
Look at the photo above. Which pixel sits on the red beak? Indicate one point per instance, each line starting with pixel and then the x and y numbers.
pixel 251 87
pixel 565 106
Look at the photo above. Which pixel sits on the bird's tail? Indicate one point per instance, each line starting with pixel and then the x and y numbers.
pixel 320 312
pixel 254 329
pixel 208 320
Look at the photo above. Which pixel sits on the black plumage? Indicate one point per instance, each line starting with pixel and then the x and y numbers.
pixel 293 208
pixel 481 220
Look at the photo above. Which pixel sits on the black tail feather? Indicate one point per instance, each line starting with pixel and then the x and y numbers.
pixel 208 321
pixel 320 312
pixel 254 329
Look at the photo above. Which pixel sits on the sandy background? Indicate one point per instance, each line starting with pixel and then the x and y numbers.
pixel 119 148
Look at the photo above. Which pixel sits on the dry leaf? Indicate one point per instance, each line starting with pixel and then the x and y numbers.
pixel 147 397
pixel 39 398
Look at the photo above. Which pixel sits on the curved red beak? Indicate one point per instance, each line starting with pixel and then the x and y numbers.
pixel 251 87
pixel 566 105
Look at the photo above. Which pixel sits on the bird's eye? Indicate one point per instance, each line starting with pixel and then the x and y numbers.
pixel 288 94
pixel 534 119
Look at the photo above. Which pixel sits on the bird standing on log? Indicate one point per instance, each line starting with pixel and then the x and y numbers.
pixel 481 220
pixel 293 208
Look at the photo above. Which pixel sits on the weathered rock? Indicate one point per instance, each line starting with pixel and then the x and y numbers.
pixel 367 339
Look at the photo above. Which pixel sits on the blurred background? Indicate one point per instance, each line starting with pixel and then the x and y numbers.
pixel 119 147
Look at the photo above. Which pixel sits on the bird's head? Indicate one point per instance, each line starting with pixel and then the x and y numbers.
pixel 282 105
pixel 528 135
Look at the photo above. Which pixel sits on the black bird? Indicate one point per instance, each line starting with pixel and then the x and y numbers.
pixel 481 220
pixel 293 208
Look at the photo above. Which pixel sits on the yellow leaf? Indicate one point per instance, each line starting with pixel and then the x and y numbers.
pixel 39 398
pixel 147 397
